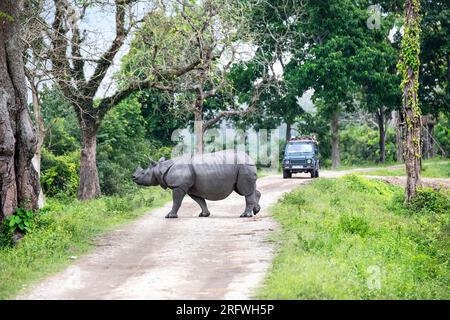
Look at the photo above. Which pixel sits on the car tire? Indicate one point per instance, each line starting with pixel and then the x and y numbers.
pixel 287 174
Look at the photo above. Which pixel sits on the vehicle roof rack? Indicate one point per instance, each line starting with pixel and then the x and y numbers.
pixel 311 138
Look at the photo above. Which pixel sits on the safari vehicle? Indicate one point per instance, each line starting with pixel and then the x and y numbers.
pixel 301 155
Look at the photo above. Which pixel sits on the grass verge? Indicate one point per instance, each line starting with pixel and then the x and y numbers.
pixel 65 229
pixel 352 238
pixel 438 168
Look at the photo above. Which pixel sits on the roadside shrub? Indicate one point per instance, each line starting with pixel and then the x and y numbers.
pixel 442 131
pixel 428 200
pixel 165 152
pixel 6 235
pixel 59 176
pixel 360 144
pixel 21 220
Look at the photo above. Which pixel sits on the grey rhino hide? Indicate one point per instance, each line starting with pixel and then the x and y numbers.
pixel 212 176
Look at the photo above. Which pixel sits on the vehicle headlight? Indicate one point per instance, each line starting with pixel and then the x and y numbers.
pixel 309 161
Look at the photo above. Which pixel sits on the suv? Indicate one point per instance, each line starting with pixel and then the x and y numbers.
pixel 301 155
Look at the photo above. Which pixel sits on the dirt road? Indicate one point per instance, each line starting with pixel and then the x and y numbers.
pixel 220 257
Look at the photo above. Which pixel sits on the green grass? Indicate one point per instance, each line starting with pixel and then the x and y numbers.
pixel 352 238
pixel 438 168
pixel 64 229
pixel 361 165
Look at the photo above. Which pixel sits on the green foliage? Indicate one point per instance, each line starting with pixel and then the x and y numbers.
pixel 431 168
pixel 6 234
pixel 442 132
pixel 63 133
pixel 360 184
pixel 160 115
pixel 123 146
pixel 21 220
pixel 342 229
pixel 59 174
pixel 354 224
pixel 130 134
pixel 360 144
pixel 5 16
pixel 431 201
pixel 434 88
pixel 409 63
pixel 128 203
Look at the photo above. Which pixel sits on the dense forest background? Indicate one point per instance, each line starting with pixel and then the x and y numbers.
pixel 348 72
pixel 110 82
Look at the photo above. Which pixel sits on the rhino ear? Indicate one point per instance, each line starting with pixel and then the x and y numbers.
pixel 162 159
pixel 153 163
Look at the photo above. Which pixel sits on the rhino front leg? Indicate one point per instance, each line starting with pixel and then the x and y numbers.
pixel 250 203
pixel 257 207
pixel 202 203
pixel 177 197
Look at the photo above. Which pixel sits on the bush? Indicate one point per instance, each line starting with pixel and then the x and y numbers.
pixel 428 200
pixel 442 132
pixel 360 144
pixel 6 235
pixel 165 152
pixel 21 220
pixel 59 176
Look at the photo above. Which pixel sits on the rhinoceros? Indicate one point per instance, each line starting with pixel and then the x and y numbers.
pixel 211 176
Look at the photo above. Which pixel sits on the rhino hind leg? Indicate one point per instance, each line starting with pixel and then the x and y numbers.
pixel 202 203
pixel 250 203
pixel 246 186
pixel 246 180
pixel 257 207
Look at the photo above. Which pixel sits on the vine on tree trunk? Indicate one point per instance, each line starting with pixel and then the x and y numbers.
pixel 408 67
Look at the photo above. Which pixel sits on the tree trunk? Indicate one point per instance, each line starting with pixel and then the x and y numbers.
pixel 40 126
pixel 432 152
pixel 288 131
pixel 198 128
pixel 398 136
pixel 425 138
pixel 19 182
pixel 89 182
pixel 409 68
pixel 335 156
pixel 382 131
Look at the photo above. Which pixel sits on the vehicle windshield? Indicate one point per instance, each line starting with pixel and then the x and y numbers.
pixel 300 148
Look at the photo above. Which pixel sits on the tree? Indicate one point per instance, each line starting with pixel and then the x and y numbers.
pixel 376 74
pixel 408 67
pixel 72 58
pixel 274 25
pixel 326 55
pixel 208 34
pixel 434 75
pixel 19 182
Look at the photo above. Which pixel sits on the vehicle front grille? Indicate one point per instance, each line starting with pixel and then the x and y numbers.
pixel 298 161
